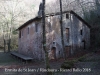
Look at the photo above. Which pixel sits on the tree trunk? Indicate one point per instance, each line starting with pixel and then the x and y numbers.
pixel 44 38
pixel 4 45
pixel 61 26
pixel 9 41
pixel 4 41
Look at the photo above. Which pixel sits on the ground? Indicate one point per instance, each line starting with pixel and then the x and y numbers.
pixel 91 65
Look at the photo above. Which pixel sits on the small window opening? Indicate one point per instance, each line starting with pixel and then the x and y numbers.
pixel 84 44
pixel 49 19
pixel 20 34
pixel 81 32
pixel 28 30
pixel 67 16
pixel 53 42
pixel 50 27
pixel 36 27
pixel 59 52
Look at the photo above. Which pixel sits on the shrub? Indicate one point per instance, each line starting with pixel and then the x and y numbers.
pixel 81 58
pixel 68 64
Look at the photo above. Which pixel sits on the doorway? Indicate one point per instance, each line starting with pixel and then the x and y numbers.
pixel 68 51
pixel 84 44
pixel 53 51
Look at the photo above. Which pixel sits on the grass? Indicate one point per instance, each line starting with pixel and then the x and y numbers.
pixel 6 58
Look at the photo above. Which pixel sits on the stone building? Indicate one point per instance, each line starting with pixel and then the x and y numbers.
pixel 75 30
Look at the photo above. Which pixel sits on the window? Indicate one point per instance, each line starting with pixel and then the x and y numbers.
pixel 67 34
pixel 59 52
pixel 49 23
pixel 53 42
pixel 67 16
pixel 50 28
pixel 49 19
pixel 81 32
pixel 19 34
pixel 36 27
pixel 28 30
pixel 84 44
pixel 22 32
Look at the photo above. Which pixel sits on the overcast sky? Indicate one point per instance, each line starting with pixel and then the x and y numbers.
pixel 31 7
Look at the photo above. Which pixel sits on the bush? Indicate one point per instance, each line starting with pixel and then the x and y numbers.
pixel 68 64
pixel 81 58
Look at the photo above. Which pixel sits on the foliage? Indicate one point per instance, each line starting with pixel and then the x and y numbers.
pixel 12 14
pixel 81 58
pixel 92 17
pixel 14 32
pixel 68 64
pixel 14 42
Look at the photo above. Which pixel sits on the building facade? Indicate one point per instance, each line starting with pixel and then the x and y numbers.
pixel 75 30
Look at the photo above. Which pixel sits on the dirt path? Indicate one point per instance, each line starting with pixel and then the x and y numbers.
pixel 34 65
pixel 91 64
pixel 9 65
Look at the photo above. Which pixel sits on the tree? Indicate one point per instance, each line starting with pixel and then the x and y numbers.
pixel 62 38
pixel 10 11
pixel 44 37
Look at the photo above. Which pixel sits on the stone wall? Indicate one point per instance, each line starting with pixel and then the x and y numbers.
pixel 30 42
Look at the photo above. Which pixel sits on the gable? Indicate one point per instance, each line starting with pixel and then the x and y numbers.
pixel 28 22
pixel 72 12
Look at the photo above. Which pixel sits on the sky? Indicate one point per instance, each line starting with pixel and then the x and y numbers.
pixel 31 7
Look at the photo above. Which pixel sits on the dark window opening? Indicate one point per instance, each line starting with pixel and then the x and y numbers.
pixel 67 34
pixel 81 32
pixel 67 16
pixel 59 52
pixel 53 42
pixel 19 34
pixel 36 27
pixel 28 30
pixel 84 44
pixel 22 32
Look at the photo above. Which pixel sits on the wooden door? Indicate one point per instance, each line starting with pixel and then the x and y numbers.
pixel 68 51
